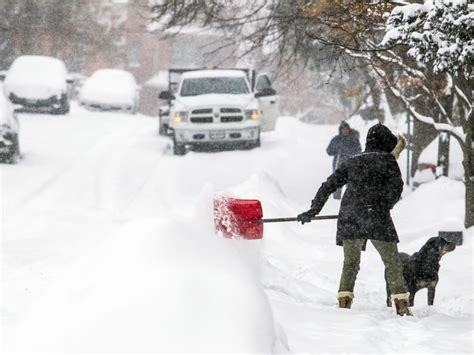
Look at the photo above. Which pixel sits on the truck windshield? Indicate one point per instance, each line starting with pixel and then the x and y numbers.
pixel 222 85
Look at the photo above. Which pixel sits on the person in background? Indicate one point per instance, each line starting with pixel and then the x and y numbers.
pixel 343 146
pixel 374 185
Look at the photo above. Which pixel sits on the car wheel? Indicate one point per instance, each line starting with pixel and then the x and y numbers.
pixel 15 156
pixel 64 108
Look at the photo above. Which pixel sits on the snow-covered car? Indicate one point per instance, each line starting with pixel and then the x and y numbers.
pixel 110 90
pixel 38 84
pixel 9 144
pixel 215 108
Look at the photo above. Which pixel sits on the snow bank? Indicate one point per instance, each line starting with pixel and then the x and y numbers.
pixel 430 156
pixel 157 286
pixel 166 283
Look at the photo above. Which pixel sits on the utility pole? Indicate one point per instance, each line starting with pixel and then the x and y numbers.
pixel 409 147
pixel 443 152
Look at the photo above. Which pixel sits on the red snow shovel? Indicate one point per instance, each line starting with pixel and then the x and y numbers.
pixel 244 218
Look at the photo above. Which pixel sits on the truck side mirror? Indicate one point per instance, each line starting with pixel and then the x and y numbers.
pixel 166 95
pixel 266 92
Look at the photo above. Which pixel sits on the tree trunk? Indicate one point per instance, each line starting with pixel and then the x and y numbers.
pixel 423 135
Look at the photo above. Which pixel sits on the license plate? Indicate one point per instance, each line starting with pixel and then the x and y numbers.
pixel 217 135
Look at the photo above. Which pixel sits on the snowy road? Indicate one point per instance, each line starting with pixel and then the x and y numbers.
pixel 86 176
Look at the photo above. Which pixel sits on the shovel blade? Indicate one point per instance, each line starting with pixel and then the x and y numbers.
pixel 236 218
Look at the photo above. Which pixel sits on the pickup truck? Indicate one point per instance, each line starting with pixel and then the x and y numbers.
pixel 217 108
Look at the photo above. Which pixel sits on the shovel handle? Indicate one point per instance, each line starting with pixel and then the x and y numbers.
pixel 294 219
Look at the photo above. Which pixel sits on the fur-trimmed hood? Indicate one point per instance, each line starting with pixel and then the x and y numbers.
pixel 380 138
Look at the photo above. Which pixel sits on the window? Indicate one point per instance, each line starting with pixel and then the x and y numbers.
pixel 223 85
pixel 262 83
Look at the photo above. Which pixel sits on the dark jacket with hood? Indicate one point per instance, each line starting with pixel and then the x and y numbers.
pixel 342 147
pixel 374 185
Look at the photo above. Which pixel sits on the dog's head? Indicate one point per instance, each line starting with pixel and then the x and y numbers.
pixel 439 246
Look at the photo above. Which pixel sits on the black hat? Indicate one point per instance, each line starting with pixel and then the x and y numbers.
pixel 381 138
pixel 344 124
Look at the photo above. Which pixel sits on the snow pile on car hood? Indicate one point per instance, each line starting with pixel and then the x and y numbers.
pixel 162 286
pixel 109 87
pixel 36 77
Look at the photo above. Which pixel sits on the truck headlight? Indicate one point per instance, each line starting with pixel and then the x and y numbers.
pixel 252 115
pixel 180 116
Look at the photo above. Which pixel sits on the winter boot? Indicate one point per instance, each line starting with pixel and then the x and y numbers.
pixel 401 304
pixel 345 299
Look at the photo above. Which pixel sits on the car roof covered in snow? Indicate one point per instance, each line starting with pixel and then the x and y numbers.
pixel 35 62
pixel 214 73
pixel 38 72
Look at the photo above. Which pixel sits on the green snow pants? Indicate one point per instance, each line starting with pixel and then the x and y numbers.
pixel 388 252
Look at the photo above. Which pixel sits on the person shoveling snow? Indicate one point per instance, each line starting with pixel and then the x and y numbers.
pixel 374 185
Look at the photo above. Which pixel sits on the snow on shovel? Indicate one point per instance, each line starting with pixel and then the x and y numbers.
pixel 236 218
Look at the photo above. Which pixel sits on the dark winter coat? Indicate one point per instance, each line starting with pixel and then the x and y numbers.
pixel 342 147
pixel 374 185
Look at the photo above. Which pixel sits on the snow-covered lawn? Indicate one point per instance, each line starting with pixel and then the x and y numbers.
pixel 107 245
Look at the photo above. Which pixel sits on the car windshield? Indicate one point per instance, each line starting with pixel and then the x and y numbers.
pixel 222 85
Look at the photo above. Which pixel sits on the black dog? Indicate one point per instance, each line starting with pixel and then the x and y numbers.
pixel 421 269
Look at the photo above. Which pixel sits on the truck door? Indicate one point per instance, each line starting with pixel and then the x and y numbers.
pixel 268 104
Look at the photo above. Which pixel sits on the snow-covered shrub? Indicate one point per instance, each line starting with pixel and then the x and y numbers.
pixel 440 32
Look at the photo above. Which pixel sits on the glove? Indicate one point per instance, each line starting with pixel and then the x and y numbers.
pixel 305 217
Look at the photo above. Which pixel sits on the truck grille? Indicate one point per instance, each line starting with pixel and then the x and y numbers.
pixel 225 119
pixel 201 119
pixel 201 115
pixel 226 114
pixel 202 111
pixel 231 114
pixel 230 110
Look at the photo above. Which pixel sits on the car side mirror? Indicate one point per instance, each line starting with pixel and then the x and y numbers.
pixel 266 92
pixel 166 95
pixel 70 79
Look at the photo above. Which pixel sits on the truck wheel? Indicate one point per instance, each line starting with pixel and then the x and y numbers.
pixel 163 130
pixel 179 149
pixel 258 143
